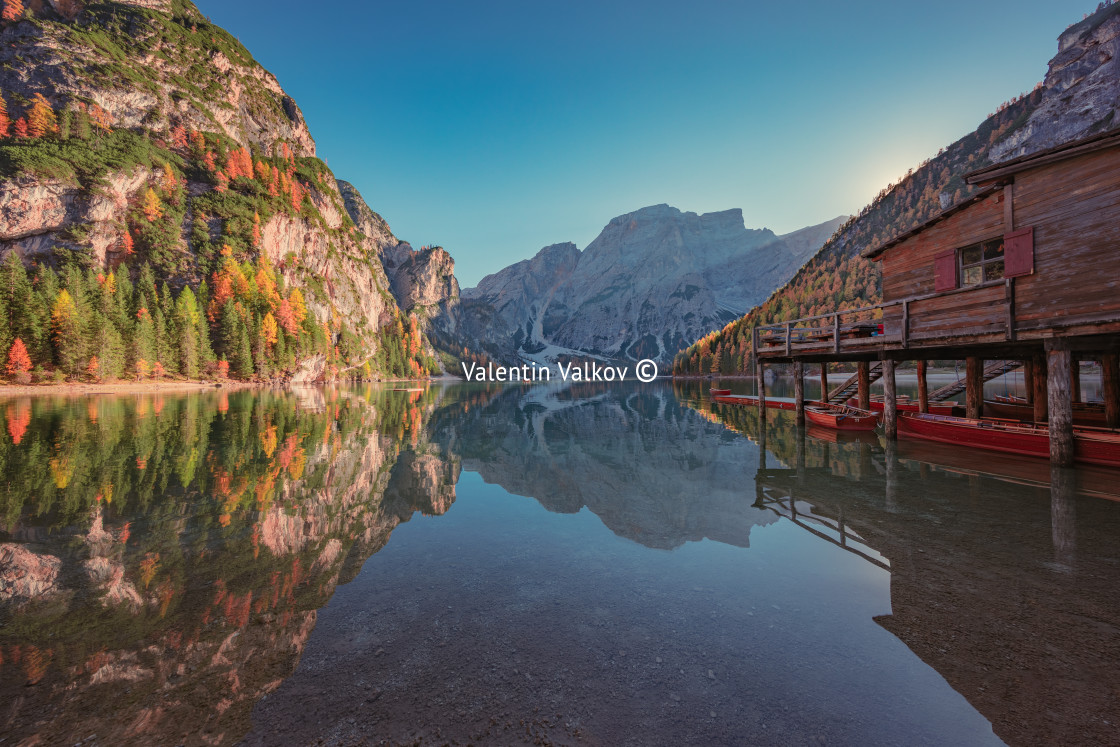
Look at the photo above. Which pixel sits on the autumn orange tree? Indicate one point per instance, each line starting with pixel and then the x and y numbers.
pixel 19 361
pixel 13 10
pixel 41 119
pixel 5 120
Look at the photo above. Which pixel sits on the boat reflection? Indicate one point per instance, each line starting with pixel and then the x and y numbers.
pixel 1002 569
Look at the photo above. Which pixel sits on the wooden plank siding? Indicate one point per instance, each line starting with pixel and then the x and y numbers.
pixel 908 268
pixel 1074 206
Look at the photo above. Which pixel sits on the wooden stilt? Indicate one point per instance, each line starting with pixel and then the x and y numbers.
pixel 1060 407
pixel 890 401
pixel 1028 379
pixel 1063 513
pixel 890 458
pixel 760 370
pixel 864 381
pixel 1039 395
pixel 824 382
pixel 799 391
pixel 1075 378
pixel 974 383
pixel 1110 388
pixel 923 390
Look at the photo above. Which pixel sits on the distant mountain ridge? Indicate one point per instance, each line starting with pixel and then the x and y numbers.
pixel 651 281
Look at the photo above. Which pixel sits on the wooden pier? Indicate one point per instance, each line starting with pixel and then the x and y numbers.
pixel 1024 273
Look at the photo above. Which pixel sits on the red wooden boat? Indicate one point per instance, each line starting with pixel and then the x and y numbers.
pixel 1091 445
pixel 719 392
pixel 750 400
pixel 841 437
pixel 906 405
pixel 1017 408
pixel 840 417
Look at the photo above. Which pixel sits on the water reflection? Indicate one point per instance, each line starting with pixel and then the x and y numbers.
pixel 1002 568
pixel 166 562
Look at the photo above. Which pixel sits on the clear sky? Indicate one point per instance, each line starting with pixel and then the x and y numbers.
pixel 496 127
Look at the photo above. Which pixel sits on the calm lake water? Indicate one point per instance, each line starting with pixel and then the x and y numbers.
pixel 625 565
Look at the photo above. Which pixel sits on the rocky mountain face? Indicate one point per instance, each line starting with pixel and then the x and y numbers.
pixel 152 98
pixel 1081 89
pixel 422 281
pixel 650 282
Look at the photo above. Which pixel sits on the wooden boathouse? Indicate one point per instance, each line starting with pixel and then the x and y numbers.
pixel 1023 273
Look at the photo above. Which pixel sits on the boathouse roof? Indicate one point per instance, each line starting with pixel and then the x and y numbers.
pixel 994 176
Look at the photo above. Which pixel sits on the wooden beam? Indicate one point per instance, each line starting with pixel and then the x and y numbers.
pixel 1039 396
pixel 890 401
pixel 799 391
pixel 1060 407
pixel 1009 207
pixel 974 387
pixel 905 324
pixel 1010 297
pixel 923 388
pixel 835 336
pixel 863 380
pixel 824 382
pixel 1110 389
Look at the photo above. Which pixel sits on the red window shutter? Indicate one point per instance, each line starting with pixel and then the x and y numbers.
pixel 945 271
pixel 1018 253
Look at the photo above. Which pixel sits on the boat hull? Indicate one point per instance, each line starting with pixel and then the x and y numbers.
pixel 841 419
pixel 1092 416
pixel 750 400
pixel 1091 446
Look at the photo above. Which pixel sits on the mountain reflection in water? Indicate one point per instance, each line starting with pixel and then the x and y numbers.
pixel 166 564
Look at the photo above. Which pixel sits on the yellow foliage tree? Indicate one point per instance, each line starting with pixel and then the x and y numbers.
pixel 152 207
pixel 269 329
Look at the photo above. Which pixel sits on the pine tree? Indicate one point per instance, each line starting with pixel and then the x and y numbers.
pixel 41 119
pixel 187 317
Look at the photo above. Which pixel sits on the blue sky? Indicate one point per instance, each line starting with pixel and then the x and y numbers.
pixel 496 127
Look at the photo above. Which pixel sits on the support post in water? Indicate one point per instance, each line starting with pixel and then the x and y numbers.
pixel 1039 395
pixel 799 391
pixel 1060 406
pixel 890 401
pixel 1110 388
pixel 824 382
pixel 863 384
pixel 974 386
pixel 923 389
pixel 760 371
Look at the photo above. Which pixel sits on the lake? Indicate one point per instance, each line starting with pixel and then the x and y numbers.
pixel 603 565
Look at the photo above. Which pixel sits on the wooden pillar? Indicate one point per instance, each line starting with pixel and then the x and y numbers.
pixel 974 383
pixel 760 370
pixel 1028 379
pixel 923 390
pixel 1075 378
pixel 799 391
pixel 890 401
pixel 824 382
pixel 1038 390
pixel 890 458
pixel 863 375
pixel 1110 389
pixel 1063 514
pixel 1060 407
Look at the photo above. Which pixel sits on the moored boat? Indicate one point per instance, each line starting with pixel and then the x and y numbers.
pixel 1091 445
pixel 719 392
pixel 840 417
pixel 907 405
pixel 750 400
pixel 1017 408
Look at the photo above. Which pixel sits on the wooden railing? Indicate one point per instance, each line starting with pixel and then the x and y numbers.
pixel 896 322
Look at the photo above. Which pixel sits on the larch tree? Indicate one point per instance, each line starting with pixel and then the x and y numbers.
pixel 13 10
pixel 19 361
pixel 41 119
pixel 66 332
pixel 152 207
pixel 5 120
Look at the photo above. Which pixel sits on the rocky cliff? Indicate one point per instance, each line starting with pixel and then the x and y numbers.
pixel 165 143
pixel 651 281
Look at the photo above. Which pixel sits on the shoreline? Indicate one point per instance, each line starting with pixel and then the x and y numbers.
pixel 170 387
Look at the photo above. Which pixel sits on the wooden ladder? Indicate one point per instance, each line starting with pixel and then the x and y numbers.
pixel 841 394
pixel 992 370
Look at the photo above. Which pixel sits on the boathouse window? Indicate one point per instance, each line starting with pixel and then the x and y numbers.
pixel 981 263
